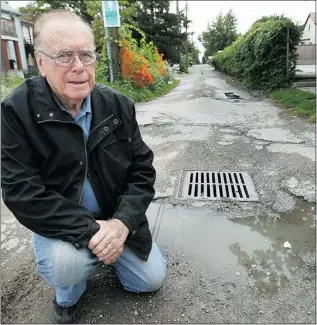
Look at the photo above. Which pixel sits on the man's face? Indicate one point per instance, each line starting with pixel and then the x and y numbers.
pixel 72 83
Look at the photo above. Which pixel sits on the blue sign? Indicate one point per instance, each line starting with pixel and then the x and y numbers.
pixel 111 16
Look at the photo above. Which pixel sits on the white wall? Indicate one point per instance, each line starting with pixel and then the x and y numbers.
pixel 28 33
pixel 11 51
pixel 309 32
pixel 5 15
pixel 18 28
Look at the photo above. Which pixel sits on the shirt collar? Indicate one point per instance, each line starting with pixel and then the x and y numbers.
pixel 85 107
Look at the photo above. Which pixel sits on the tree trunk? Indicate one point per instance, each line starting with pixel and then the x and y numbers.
pixel 179 31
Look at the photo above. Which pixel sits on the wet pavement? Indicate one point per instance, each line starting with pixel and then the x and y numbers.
pixel 226 260
pixel 247 250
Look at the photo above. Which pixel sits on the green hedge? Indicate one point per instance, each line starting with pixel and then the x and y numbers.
pixel 258 58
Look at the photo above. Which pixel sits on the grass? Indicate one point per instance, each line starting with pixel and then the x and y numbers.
pixel 299 102
pixel 142 94
pixel 9 83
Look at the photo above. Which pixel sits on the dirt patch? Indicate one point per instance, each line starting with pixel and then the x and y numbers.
pixel 24 296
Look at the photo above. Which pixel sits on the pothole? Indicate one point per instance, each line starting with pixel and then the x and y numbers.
pixel 232 95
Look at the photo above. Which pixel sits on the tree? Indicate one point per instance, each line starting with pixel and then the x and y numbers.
pixel 31 11
pixel 35 8
pixel 90 11
pixel 79 7
pixel 220 34
pixel 162 27
pixel 128 9
pixel 193 52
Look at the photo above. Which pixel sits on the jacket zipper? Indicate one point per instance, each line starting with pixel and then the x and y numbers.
pixel 86 167
pixel 86 157
pixel 89 178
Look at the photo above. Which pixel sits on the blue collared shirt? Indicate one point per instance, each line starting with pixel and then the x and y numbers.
pixel 83 119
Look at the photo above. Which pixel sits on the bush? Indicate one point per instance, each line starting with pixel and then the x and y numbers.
pixel 8 83
pixel 258 59
pixel 141 94
pixel 141 64
pixel 144 73
pixel 102 68
pixel 135 67
pixel 182 64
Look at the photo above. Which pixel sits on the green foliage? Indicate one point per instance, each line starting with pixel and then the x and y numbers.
pixel 141 94
pixel 220 34
pixel 8 83
pixel 161 27
pixel 102 67
pixel 182 64
pixel 193 52
pixel 127 16
pixel 258 58
pixel 32 10
pixel 126 33
pixel 300 103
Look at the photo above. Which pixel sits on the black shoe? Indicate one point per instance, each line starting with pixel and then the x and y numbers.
pixel 63 315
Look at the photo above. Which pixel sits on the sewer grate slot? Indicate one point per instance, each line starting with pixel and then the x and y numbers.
pixel 210 185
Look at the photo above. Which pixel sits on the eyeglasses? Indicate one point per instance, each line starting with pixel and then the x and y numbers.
pixel 67 59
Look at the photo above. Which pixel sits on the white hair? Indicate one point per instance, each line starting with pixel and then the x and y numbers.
pixel 59 14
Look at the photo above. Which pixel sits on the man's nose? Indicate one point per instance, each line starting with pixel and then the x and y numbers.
pixel 77 64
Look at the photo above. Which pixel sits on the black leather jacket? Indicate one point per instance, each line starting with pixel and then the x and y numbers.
pixel 45 161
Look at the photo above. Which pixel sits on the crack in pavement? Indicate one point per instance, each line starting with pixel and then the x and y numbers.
pixel 238 130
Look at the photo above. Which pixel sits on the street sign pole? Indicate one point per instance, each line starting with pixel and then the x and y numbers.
pixel 109 54
pixel 111 18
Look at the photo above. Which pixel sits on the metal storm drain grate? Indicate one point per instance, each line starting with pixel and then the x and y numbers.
pixel 209 185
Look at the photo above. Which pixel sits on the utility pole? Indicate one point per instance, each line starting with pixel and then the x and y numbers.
pixel 193 45
pixel 109 54
pixel 111 18
pixel 115 53
pixel 287 52
pixel 179 29
pixel 186 44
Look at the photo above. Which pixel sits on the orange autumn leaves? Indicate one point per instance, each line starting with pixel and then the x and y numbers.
pixel 136 68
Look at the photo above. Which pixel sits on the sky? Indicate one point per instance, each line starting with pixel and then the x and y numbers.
pixel 202 12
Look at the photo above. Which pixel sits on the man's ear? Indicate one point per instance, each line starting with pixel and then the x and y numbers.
pixel 40 63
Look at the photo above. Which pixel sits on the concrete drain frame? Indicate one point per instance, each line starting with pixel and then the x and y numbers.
pixel 216 185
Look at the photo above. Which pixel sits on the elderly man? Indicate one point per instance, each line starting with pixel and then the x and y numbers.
pixel 76 171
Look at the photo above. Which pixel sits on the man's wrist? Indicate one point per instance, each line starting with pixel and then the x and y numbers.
pixel 123 226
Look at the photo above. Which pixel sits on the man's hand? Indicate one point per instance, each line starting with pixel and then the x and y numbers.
pixel 107 244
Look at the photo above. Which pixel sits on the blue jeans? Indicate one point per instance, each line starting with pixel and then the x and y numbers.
pixel 67 268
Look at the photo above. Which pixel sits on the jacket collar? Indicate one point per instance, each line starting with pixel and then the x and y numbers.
pixel 46 109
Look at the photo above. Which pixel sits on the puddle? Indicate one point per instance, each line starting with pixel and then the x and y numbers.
pixel 248 250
